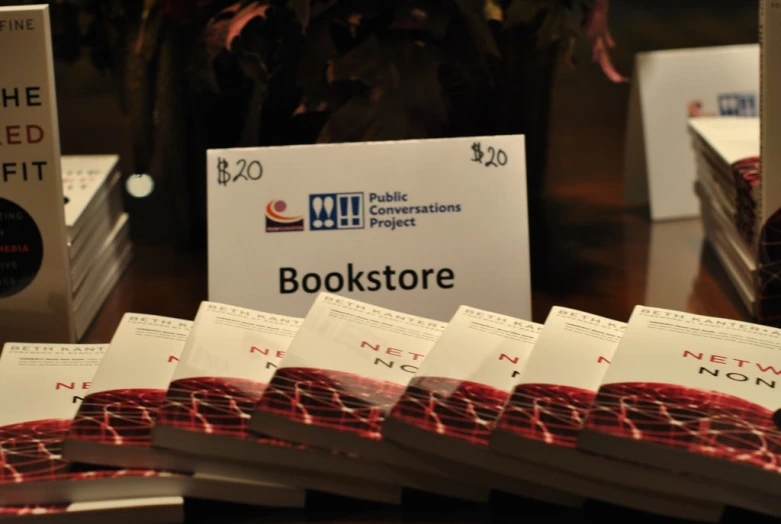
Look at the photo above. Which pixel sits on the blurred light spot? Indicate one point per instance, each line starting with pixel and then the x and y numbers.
pixel 140 185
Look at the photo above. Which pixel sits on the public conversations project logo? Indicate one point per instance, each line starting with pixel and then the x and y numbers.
pixel 738 104
pixel 730 104
pixel 333 211
pixel 277 221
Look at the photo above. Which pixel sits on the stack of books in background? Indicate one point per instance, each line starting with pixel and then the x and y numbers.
pixel 98 231
pixel 727 159
pixel 671 413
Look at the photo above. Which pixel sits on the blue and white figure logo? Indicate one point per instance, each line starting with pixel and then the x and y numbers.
pixel 738 104
pixel 332 211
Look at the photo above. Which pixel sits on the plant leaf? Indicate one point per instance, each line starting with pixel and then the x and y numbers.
pixel 402 97
pixel 149 6
pixel 493 11
pixel 303 12
pixel 242 17
pixel 523 11
pixel 474 16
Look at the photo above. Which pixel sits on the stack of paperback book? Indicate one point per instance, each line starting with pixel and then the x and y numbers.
pixel 738 182
pixel 727 160
pixel 673 414
pixel 98 236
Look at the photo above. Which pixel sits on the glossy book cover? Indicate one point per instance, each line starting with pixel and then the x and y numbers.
pixel 561 378
pixel 448 410
pixel 466 379
pixel 129 387
pixel 345 370
pixel 694 394
pixel 52 380
pixel 227 362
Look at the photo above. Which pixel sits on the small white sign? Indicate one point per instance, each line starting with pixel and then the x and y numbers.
pixel 419 226
pixel 669 87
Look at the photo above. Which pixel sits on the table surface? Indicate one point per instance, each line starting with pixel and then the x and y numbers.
pixel 602 255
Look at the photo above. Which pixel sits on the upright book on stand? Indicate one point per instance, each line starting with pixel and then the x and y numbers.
pixel 769 184
pixel 36 299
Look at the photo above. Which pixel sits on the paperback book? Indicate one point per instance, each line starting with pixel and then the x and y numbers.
pixel 41 387
pixel 696 395
pixel 230 356
pixel 544 417
pixel 35 288
pixel 343 372
pixel 449 408
pixel 158 510
pixel 113 426
pixel 726 148
pixel 97 232
pixel 89 186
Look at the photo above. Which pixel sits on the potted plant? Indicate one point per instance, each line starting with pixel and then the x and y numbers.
pixel 196 74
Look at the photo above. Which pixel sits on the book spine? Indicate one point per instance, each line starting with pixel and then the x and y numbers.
pixel 769 194
pixel 767 307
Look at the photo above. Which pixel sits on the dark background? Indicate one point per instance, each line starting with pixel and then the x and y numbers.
pixel 583 179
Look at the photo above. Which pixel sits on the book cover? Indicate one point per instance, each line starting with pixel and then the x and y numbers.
pixel 768 183
pixel 544 417
pixel 41 387
pixel 114 423
pixel 227 362
pixel 113 426
pixel 341 375
pixel 451 405
pixel 551 398
pixel 230 356
pixel 35 287
pixel 693 394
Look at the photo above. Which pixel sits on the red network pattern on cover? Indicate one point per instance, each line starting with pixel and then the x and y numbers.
pixel 31 452
pixel 747 176
pixel 549 413
pixel 118 417
pixel 454 408
pixel 331 399
pixel 707 422
pixel 215 406
pixel 23 511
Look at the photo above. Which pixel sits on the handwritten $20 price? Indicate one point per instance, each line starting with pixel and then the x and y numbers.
pixel 491 157
pixel 242 169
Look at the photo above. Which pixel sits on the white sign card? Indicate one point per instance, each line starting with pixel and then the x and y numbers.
pixel 419 226
pixel 668 87
pixel 35 292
